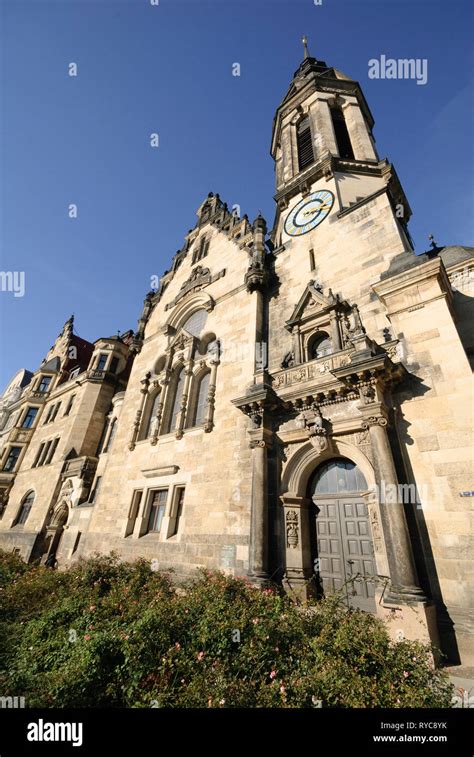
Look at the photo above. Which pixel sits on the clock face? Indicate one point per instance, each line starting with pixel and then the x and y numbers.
pixel 309 213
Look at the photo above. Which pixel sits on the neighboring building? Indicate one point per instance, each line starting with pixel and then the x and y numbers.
pixel 295 407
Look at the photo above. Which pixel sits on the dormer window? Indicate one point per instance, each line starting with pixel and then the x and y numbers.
pixel 101 362
pixel 304 144
pixel 44 383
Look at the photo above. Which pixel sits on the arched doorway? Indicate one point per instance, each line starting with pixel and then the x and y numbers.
pixel 341 539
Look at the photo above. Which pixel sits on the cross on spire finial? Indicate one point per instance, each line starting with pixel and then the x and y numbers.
pixel 304 40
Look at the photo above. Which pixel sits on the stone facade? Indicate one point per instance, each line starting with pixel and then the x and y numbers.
pixel 263 365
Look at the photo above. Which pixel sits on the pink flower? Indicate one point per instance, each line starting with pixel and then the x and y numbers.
pixel 273 674
pixel 255 621
pixel 282 689
pixel 87 637
pixel 406 674
pixel 200 656
pixel 277 649
pixel 222 701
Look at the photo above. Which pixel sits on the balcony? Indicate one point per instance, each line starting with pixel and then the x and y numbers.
pixel 317 371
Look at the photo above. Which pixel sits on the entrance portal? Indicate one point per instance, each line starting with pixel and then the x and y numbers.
pixel 342 547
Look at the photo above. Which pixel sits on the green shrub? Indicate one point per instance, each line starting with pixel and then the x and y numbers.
pixel 106 633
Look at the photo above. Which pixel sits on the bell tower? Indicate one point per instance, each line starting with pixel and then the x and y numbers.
pixel 341 213
pixel 323 132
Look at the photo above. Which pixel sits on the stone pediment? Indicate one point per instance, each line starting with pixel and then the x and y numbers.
pixel 311 301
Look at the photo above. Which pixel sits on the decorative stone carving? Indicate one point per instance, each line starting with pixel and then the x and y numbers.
pixel 362 437
pixel 200 277
pixel 368 394
pixel 292 529
pixel 376 530
pixel 257 443
pixel 289 360
pixel 373 421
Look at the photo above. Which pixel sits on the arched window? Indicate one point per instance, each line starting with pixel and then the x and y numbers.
pixel 338 476
pixel 178 393
pixel 304 144
pixel 150 419
pixel 319 345
pixel 201 400
pixel 25 508
pixel 113 429
pixel 343 140
pixel 196 322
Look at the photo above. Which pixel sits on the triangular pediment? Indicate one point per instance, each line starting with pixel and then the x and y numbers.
pixel 311 301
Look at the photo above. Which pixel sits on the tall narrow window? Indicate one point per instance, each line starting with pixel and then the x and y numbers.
pixel 29 418
pixel 178 510
pixel 44 383
pixel 55 411
pixel 178 393
pixel 39 454
pixel 45 454
pixel 133 512
pixel 52 450
pixel 101 362
pixel 201 400
pixel 157 509
pixel 304 144
pixel 343 141
pixel 69 405
pixel 201 251
pixel 12 459
pixel 25 508
pixel 113 429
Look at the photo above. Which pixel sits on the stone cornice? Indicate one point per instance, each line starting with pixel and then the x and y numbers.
pixel 433 271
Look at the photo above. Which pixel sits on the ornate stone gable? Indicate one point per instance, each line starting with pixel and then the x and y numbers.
pixel 199 278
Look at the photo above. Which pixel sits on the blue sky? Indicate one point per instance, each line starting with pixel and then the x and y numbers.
pixel 168 69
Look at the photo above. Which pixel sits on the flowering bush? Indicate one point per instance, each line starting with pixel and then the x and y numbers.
pixel 106 633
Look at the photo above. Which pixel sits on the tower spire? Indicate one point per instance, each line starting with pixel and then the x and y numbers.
pixel 304 40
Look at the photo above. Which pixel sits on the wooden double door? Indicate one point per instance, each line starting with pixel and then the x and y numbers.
pixel 343 549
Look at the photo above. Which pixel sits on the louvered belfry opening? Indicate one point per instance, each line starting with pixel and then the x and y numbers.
pixel 305 146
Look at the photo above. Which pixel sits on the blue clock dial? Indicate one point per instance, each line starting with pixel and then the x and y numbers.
pixel 309 213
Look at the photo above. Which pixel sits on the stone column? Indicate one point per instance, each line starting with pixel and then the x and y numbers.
pixel 323 135
pixel 358 132
pixel 259 515
pixel 335 333
pixel 403 576
pixel 188 373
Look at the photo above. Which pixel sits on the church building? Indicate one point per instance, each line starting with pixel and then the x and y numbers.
pixel 293 406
